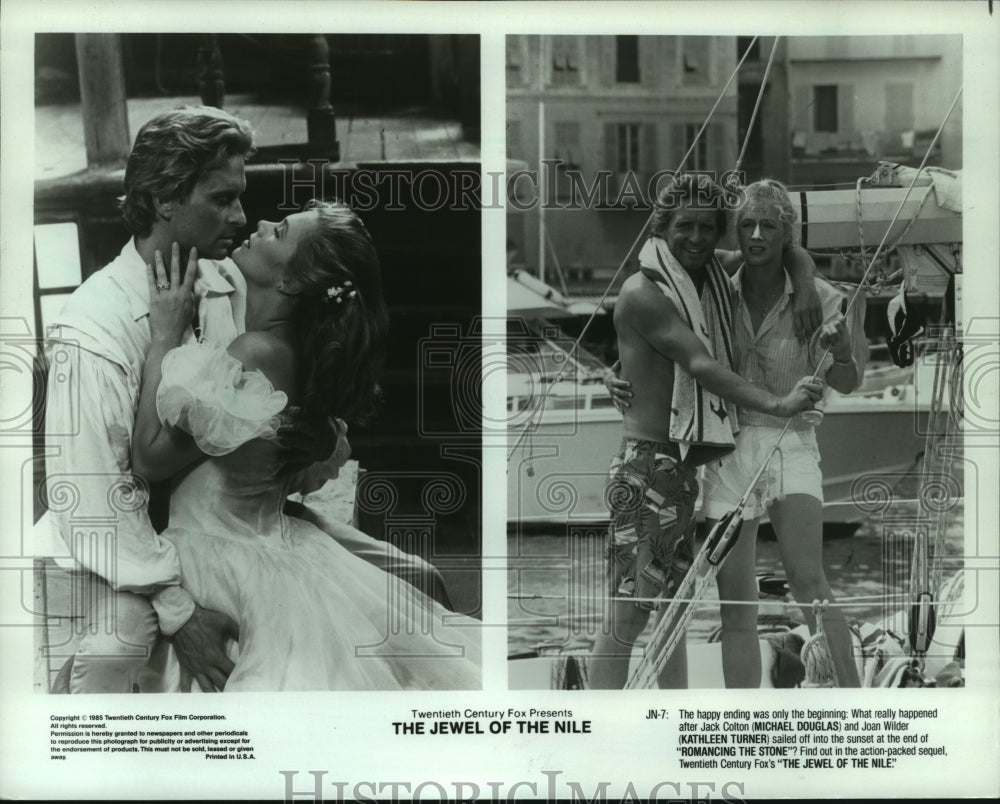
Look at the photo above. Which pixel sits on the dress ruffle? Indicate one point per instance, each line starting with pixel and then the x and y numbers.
pixel 312 616
pixel 206 392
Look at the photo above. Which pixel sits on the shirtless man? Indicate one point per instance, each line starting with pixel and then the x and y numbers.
pixel 653 486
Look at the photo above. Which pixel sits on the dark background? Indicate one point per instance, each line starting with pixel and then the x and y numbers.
pixel 431 260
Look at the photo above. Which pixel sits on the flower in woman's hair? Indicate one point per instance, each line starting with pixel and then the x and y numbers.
pixel 338 293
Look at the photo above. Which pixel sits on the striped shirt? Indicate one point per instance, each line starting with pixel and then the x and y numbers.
pixel 773 358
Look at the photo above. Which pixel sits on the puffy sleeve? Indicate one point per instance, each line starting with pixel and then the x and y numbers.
pixel 206 392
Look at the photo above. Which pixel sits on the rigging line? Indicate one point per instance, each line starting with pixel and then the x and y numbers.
pixel 932 254
pixel 673 622
pixel 756 108
pixel 871 264
pixel 916 214
pixel 940 427
pixel 628 255
pixel 899 210
pixel 877 284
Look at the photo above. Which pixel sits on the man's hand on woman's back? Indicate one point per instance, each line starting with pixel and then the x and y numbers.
pixel 201 648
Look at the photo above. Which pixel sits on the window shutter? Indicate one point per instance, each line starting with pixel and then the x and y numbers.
pixel 606 49
pixel 802 108
pixel 719 154
pixel 513 139
pixel 571 49
pixel 845 107
pixel 611 157
pixel 664 49
pixel 649 63
pixel 696 54
pixel 610 147
pixel 648 164
pixel 533 61
pixel 515 61
pixel 677 145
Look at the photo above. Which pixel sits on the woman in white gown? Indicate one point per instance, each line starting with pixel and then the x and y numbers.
pixel 311 615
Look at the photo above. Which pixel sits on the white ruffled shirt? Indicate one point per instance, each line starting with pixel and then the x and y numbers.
pixel 96 350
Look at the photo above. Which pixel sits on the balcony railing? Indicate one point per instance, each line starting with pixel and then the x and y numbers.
pixel 901 145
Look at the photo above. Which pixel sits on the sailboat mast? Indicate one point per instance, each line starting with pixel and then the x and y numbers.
pixel 541 190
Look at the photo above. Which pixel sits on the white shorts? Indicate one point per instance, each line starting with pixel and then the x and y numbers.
pixel 794 469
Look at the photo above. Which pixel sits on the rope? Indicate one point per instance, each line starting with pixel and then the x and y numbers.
pixel 642 232
pixel 913 219
pixel 858 213
pixel 756 107
pixel 923 164
pixel 939 430
pixel 877 284
pixel 815 654
pixel 676 619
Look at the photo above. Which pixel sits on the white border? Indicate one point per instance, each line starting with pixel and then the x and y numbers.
pixel 350 736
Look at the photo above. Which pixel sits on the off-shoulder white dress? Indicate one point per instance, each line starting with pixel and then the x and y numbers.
pixel 312 615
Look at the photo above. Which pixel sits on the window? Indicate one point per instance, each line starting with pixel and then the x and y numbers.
pixel 825 105
pixel 565 60
pixel 699 157
pixel 566 142
pixel 694 60
pixel 627 59
pixel 712 151
pixel 57 268
pixel 514 58
pixel 742 43
pixel 513 139
pixel 630 154
pixel 628 147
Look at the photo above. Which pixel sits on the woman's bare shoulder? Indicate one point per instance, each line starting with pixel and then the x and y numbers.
pixel 268 353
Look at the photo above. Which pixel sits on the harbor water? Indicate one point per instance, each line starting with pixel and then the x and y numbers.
pixel 556 577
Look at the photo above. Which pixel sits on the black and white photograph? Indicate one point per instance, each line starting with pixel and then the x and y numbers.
pixel 256 260
pixel 807 423
pixel 410 400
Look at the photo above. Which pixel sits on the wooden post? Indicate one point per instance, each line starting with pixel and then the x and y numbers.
pixel 102 99
pixel 778 142
pixel 211 79
pixel 321 121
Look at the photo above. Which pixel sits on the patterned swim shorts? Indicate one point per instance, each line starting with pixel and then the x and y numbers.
pixel 651 539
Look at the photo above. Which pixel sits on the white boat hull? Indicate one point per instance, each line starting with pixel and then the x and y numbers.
pixel 558 474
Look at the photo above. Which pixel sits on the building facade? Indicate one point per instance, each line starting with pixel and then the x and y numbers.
pixel 857 100
pixel 597 117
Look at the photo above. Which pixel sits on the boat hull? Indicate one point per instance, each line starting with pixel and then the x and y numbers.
pixel 558 474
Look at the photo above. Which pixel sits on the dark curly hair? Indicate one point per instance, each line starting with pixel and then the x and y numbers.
pixel 171 152
pixel 341 343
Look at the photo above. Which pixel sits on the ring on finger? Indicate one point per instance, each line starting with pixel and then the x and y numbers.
pixel 163 286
